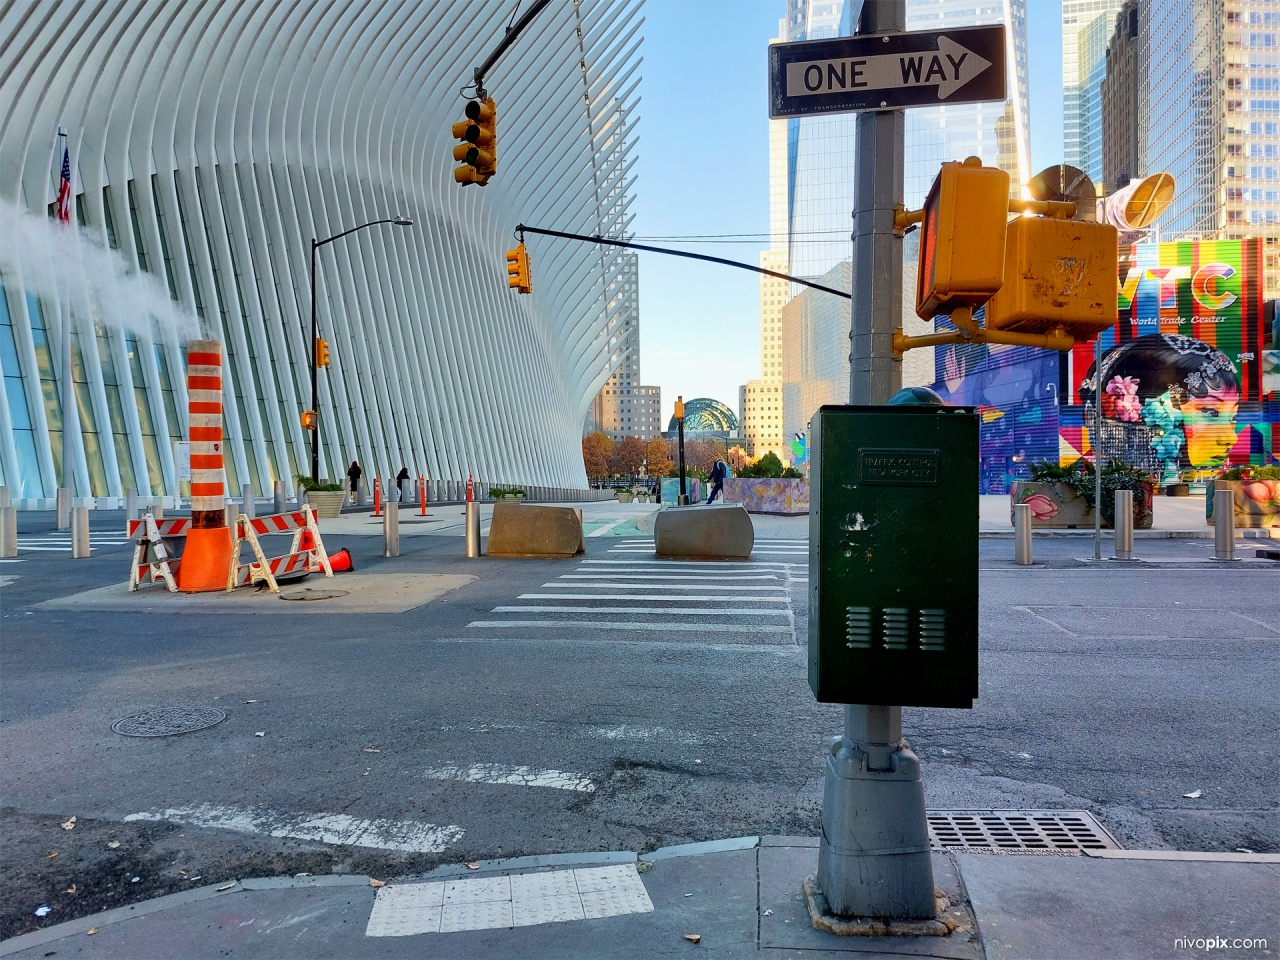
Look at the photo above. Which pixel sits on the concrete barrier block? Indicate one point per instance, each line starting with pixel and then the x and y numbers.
pixel 704 533
pixel 522 530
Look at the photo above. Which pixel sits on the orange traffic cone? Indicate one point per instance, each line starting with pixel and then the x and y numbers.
pixel 306 541
pixel 340 562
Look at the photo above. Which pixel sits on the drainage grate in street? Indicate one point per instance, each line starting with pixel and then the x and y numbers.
pixel 168 721
pixel 1018 831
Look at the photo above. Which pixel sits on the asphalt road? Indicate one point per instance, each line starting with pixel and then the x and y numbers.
pixel 621 718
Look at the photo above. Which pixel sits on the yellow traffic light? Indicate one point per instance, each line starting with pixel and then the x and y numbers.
pixel 962 238
pixel 518 270
pixel 1059 274
pixel 309 419
pixel 322 352
pixel 479 150
pixel 678 412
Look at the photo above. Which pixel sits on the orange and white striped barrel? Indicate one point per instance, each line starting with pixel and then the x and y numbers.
pixel 207 557
pixel 204 395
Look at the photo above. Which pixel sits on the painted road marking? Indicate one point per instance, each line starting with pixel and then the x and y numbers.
pixel 611 575
pixel 617 625
pixel 665 586
pixel 517 776
pixel 518 900
pixel 645 597
pixel 699 612
pixel 412 836
pixel 604 530
pixel 697 564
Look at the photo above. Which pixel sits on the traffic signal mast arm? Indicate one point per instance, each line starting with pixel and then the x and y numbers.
pixel 521 230
pixel 904 218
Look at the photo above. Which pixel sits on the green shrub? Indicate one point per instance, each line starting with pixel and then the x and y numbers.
pixel 506 491
pixel 310 485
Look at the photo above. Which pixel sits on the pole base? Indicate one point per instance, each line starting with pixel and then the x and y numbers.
pixel 206 560
pixel 823 919
pixel 874 858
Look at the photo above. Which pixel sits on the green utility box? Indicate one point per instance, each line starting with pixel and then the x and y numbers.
pixel 893 556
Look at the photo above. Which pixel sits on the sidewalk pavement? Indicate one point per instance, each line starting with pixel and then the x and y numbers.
pixel 739 898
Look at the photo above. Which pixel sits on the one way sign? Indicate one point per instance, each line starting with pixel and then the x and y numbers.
pixel 886 71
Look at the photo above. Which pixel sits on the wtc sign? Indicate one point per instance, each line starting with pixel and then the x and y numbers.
pixel 887 71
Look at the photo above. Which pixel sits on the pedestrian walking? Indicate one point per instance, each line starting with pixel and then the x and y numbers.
pixel 401 479
pixel 353 475
pixel 718 474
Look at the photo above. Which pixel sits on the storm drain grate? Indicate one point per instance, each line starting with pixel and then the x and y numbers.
pixel 168 721
pixel 1018 831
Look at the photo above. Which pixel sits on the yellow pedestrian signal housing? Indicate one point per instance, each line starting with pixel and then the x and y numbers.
pixel 518 270
pixel 309 419
pixel 322 352
pixel 1058 274
pixel 962 238
pixel 478 152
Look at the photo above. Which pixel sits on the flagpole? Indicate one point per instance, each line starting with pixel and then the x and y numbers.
pixel 68 475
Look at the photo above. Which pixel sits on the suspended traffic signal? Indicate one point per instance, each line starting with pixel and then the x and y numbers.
pixel 518 270
pixel 322 352
pixel 478 152
pixel 309 419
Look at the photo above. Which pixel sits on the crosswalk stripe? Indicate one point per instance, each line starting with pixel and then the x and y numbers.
pixel 690 611
pixel 670 576
pixel 515 776
pixel 668 586
pixel 696 564
pixel 622 625
pixel 646 597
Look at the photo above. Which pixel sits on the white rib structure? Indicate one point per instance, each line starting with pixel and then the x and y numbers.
pixel 211 141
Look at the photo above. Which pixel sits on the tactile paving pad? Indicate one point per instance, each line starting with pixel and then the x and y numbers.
pixel 515 900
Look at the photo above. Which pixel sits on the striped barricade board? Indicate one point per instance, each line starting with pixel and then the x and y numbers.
pixel 150 555
pixel 306 553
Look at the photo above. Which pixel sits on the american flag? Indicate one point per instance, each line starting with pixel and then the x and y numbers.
pixel 64 188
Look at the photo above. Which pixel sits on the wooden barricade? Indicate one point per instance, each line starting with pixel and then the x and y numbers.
pixel 306 553
pixel 150 554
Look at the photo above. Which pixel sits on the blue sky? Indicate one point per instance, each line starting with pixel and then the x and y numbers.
pixel 704 170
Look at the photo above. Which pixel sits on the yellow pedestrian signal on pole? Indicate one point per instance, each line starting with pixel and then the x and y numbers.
pixel 518 270
pixel 478 152
pixel 962 238
pixel 309 419
pixel 322 352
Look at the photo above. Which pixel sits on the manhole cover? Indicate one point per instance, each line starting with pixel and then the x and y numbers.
pixel 1019 831
pixel 169 721
pixel 312 593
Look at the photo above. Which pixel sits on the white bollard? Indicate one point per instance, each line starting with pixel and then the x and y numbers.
pixel 79 533
pixel 1224 525
pixel 63 507
pixel 1124 525
pixel 473 529
pixel 1022 534
pixel 391 529
pixel 248 505
pixel 131 504
pixel 8 531
pixel 278 495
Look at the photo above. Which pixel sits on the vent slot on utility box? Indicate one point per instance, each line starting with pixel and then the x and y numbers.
pixel 896 628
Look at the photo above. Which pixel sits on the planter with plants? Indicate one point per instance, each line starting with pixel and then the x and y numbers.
pixel 506 493
pixel 1064 496
pixel 1255 494
pixel 326 499
pixel 623 495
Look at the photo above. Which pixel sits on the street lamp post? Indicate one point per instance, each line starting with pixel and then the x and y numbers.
pixel 315 336
pixel 684 496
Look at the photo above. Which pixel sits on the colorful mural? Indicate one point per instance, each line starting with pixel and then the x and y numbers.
pixel 765 495
pixel 1188 383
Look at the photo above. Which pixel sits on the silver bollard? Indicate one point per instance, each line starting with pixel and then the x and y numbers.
pixel 79 533
pixel 157 512
pixel 8 531
pixel 233 514
pixel 391 529
pixel 1124 525
pixel 131 504
pixel 362 492
pixel 248 505
pixel 5 500
pixel 63 507
pixel 473 529
pixel 1224 525
pixel 403 491
pixel 1022 534
pixel 279 495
